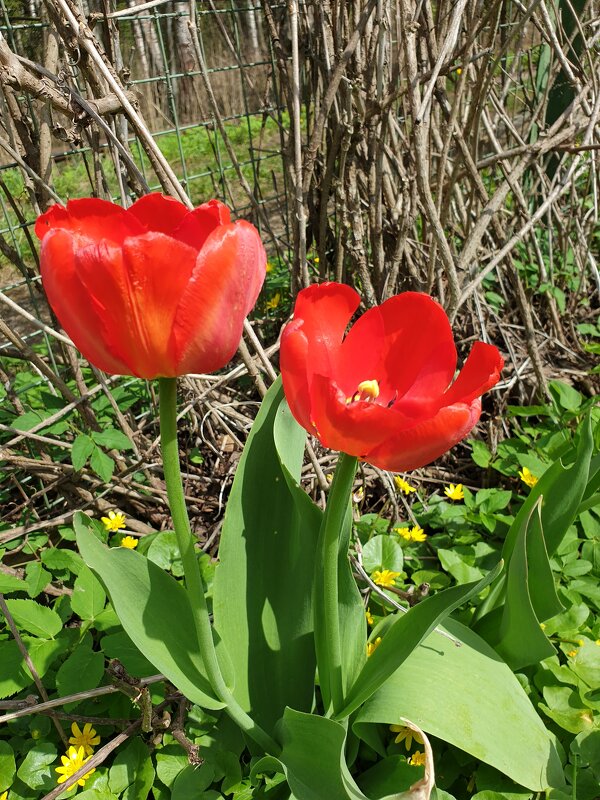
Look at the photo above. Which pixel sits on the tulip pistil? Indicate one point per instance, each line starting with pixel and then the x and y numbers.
pixel 367 391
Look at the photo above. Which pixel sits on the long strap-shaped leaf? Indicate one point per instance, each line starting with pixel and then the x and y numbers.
pixel 404 635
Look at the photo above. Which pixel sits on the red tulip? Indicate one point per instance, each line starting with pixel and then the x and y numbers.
pixel 154 290
pixel 385 391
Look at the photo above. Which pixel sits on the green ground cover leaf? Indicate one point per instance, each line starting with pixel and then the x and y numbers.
pixel 382 552
pixel 11 583
pixel 82 670
pixel 88 598
pixel 34 618
pixel 132 772
pixel 82 449
pixel 7 765
pixel 36 770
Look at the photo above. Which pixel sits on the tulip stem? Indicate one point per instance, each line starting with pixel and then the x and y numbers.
pixel 326 610
pixel 191 569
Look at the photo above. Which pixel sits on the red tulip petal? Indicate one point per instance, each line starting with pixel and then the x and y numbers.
pixel 325 311
pixel 310 340
pixel 354 428
pixel 480 372
pixel 293 359
pixel 226 280
pixel 158 270
pixel 157 212
pixel 427 440
pixel 196 226
pixel 138 287
pixel 93 218
pixel 406 344
pixel 75 308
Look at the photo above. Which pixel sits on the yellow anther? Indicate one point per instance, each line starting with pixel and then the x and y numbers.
pixel 369 388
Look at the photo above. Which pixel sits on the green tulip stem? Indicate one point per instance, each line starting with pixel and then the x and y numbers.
pixel 191 569
pixel 327 620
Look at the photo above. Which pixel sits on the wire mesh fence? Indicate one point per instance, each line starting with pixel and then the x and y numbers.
pixel 184 101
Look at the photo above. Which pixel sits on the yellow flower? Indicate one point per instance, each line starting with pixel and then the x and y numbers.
pixel 72 762
pixel 528 477
pixel 416 534
pixel 403 486
pixel 418 759
pixel 369 617
pixel 455 492
pixel 572 653
pixel 405 735
pixel 598 642
pixel 317 259
pixel 384 577
pixel 372 646
pixel 114 522
pixel 4 795
pixel 580 642
pixel 269 267
pixel 272 304
pixel 85 738
pixel 458 71
pixel 129 541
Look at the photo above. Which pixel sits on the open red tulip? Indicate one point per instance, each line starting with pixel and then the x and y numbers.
pixel 152 291
pixel 385 391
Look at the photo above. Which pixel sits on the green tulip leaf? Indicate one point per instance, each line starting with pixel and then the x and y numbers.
pixel 263 583
pixel 468 697
pixel 404 634
pixel 562 489
pixel 154 610
pixel 316 773
pixel 514 628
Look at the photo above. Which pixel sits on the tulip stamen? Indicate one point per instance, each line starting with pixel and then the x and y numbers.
pixel 367 392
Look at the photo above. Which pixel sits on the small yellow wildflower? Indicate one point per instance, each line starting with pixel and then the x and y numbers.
pixel 598 642
pixel 528 477
pixel 269 267
pixel 369 617
pixel 418 759
pixel 417 534
pixel 403 532
pixel 72 762
pixel 455 492
pixel 4 795
pixel 580 642
pixel 329 477
pixel 129 541
pixel 403 486
pixel 459 71
pixel 272 304
pixel 114 522
pixel 372 646
pixel 572 653
pixel 317 259
pixel 405 735
pixel 85 738
pixel 384 577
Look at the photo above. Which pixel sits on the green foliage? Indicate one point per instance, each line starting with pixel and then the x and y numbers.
pixel 269 533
